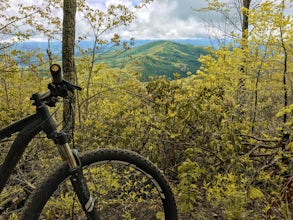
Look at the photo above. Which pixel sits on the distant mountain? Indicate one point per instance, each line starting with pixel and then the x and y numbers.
pixel 148 57
pixel 56 46
pixel 159 58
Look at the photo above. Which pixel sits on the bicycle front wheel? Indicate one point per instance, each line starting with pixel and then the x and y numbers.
pixel 124 184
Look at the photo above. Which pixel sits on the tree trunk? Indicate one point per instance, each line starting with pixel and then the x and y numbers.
pixel 285 63
pixel 245 24
pixel 68 63
pixel 244 41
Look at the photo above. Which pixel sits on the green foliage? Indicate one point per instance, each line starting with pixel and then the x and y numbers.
pixel 221 165
pixel 189 127
pixel 229 194
pixel 14 101
pixel 189 174
pixel 158 58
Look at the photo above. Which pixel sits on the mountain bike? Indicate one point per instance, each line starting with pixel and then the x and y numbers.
pixel 101 184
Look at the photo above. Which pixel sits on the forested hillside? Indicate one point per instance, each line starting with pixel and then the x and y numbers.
pixel 222 135
pixel 158 58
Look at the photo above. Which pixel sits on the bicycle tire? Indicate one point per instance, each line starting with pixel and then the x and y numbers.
pixel 116 159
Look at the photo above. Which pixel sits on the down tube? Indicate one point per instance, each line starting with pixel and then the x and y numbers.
pixel 17 149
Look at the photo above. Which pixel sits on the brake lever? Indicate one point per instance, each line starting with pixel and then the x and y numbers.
pixel 61 89
pixel 70 86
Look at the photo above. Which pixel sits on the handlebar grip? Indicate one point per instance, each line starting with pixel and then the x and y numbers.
pixel 55 70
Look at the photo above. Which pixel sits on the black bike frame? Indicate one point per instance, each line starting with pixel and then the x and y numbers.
pixel 28 128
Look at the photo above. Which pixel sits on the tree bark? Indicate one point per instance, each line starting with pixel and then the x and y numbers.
pixel 245 23
pixel 244 41
pixel 68 63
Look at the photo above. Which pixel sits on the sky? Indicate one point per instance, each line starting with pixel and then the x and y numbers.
pixel 162 19
pixel 171 19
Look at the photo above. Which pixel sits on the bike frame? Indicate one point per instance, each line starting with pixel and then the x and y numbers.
pixel 28 128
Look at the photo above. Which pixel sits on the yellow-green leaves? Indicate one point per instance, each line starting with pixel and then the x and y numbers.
pixel 255 193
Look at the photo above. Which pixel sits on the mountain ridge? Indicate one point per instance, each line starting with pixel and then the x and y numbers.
pixel 159 58
pixel 147 57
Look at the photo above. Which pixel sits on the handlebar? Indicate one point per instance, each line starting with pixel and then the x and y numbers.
pixel 58 81
pixel 55 70
pixel 58 88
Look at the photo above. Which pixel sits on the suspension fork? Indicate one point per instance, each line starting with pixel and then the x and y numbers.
pixel 77 178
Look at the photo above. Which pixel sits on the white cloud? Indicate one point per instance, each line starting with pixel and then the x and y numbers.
pixel 116 2
pixel 166 19
pixel 162 19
